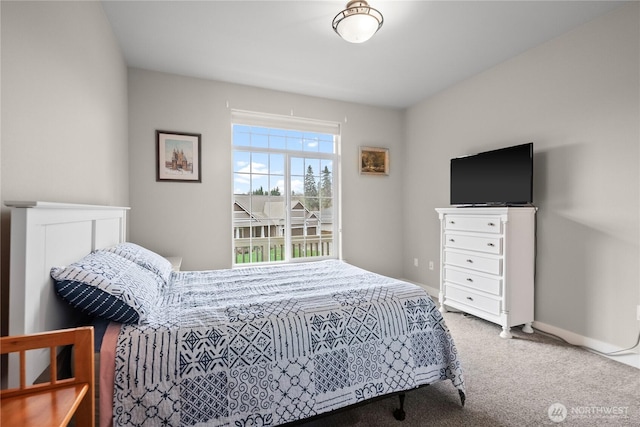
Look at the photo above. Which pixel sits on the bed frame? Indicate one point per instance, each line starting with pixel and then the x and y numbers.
pixel 44 235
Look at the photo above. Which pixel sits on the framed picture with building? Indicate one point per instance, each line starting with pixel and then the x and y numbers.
pixel 178 156
pixel 374 161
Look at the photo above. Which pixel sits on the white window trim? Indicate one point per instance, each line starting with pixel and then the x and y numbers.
pixel 258 119
pixel 251 118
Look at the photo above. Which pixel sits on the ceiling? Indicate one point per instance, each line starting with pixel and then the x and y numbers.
pixel 422 48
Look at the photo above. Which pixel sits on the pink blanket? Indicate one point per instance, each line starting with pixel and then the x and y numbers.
pixel 107 372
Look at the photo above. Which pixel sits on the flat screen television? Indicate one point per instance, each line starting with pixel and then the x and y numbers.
pixel 502 177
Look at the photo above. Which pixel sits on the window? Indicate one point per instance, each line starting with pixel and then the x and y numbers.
pixel 284 189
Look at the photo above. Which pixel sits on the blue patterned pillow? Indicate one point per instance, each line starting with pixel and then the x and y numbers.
pixel 145 258
pixel 106 285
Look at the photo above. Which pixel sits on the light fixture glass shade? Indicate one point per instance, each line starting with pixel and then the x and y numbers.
pixel 358 22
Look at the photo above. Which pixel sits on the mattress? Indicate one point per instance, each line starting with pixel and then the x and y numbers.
pixel 269 345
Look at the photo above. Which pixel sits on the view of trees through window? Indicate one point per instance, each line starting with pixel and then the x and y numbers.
pixel 283 197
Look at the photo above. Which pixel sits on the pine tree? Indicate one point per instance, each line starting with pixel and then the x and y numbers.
pixel 310 190
pixel 325 188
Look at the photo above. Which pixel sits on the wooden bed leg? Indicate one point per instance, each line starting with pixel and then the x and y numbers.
pixel 399 413
pixel 462 397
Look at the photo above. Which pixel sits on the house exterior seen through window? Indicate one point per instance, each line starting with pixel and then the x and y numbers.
pixel 284 187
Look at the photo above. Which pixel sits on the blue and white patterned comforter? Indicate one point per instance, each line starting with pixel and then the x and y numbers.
pixel 262 346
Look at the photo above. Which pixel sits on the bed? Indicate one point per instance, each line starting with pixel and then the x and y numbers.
pixel 266 345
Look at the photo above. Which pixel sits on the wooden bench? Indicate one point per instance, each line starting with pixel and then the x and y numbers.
pixel 56 402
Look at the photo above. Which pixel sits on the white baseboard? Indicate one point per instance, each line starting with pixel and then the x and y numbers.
pixel 631 359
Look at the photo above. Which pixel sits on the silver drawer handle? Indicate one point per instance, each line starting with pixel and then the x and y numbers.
pixel 470 299
pixel 491 224
pixel 469 279
pixel 490 244
pixel 470 261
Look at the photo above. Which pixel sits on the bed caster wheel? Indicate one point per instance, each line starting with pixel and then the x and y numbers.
pixel 399 414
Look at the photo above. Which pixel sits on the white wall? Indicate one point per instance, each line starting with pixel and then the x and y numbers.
pixel 64 109
pixel 577 98
pixel 194 219
pixel 64 104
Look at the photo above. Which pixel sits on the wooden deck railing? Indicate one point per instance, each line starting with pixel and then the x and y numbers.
pixel 264 249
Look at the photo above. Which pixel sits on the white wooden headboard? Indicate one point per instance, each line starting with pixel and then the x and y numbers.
pixel 44 235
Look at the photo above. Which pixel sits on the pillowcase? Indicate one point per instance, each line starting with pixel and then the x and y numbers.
pixel 143 257
pixel 106 285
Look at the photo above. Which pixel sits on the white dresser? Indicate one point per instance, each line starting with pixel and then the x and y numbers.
pixel 487 263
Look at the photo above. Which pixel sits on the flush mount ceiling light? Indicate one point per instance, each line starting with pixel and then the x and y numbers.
pixel 358 22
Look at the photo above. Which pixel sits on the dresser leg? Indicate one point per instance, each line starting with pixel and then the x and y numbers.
pixel 527 328
pixel 506 334
pixel 441 301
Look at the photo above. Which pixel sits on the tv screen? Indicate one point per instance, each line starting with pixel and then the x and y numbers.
pixel 498 177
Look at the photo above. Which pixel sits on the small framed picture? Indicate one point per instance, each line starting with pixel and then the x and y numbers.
pixel 374 161
pixel 178 156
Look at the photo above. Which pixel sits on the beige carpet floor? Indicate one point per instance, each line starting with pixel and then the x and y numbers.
pixel 524 381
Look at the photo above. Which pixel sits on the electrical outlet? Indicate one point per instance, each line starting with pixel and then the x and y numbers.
pixel 430 265
pixel 415 262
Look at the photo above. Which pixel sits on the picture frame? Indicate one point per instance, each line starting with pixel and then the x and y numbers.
pixel 373 161
pixel 178 156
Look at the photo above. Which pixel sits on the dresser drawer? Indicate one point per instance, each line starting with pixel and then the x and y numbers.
pixel 481 302
pixel 474 262
pixel 475 281
pixel 490 245
pixel 484 224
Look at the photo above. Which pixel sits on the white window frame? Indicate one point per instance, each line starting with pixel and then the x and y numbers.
pixel 256 119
